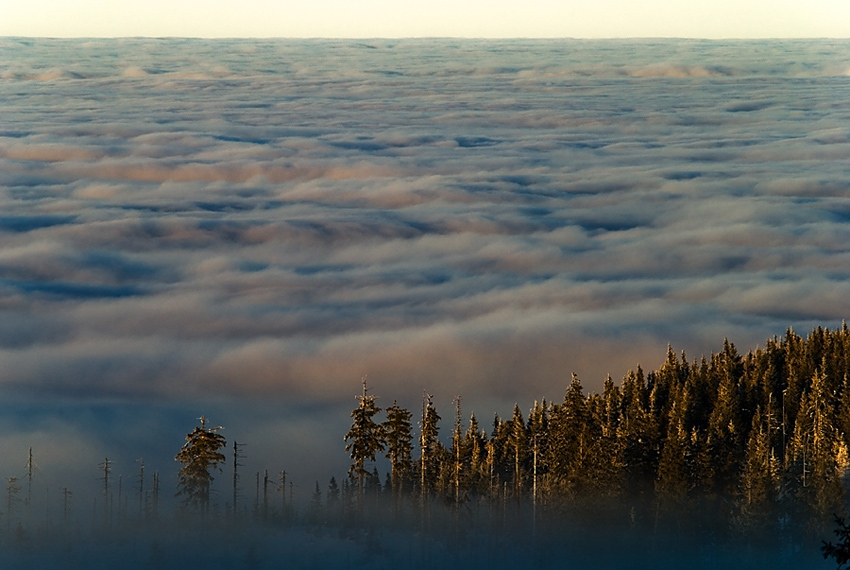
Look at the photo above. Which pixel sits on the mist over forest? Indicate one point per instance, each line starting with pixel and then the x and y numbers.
pixel 243 229
pixel 732 461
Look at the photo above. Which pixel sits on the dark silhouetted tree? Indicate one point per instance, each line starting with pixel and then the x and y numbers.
pixel 840 551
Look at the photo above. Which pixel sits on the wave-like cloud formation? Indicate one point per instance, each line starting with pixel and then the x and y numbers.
pixel 277 218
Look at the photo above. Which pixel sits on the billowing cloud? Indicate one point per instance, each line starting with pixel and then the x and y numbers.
pixel 186 223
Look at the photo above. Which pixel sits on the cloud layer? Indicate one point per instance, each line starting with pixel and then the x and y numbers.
pixel 186 220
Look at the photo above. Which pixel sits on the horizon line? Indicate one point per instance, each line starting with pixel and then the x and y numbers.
pixel 441 38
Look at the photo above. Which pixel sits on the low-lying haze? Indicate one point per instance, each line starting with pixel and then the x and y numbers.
pixel 246 228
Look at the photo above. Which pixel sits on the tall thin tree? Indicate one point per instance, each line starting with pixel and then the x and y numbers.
pixel 397 430
pixel 237 455
pixel 365 437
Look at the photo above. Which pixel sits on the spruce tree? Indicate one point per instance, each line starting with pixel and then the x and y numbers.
pixel 430 448
pixel 459 459
pixel 726 436
pixel 638 443
pixel 820 455
pixel 611 399
pixel 538 436
pixel 476 442
pixel 399 446
pixel 199 456
pixel 673 482
pixel 314 511
pixel 500 455
pixel 759 480
pixel 518 440
pixel 365 438
pixel 333 500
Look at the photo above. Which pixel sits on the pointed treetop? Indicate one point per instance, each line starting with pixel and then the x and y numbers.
pixel 365 397
pixel 203 420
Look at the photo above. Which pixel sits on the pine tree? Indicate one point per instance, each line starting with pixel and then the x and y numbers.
pixel 365 437
pixel 398 437
pixel 500 456
pixel 460 459
pixel 665 383
pixel 673 482
pixel 373 484
pixel 333 499
pixel 564 424
pixel 429 447
pixel 821 454
pixel 843 412
pixel 726 435
pixel 538 437
pixel 759 480
pixel 840 551
pixel 518 440
pixel 611 399
pixel 314 512
pixel 476 442
pixel 638 437
pixel 199 456
pixel 797 381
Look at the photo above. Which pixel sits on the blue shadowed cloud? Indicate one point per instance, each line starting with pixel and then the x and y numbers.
pixel 75 290
pixel 29 223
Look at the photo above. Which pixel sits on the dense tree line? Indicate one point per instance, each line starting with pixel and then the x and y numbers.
pixel 696 454
pixel 753 444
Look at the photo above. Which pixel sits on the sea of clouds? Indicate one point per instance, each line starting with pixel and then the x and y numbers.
pixel 245 228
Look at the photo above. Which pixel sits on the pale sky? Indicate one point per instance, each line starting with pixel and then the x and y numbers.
pixel 436 18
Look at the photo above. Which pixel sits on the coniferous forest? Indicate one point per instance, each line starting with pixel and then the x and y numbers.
pixel 728 459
